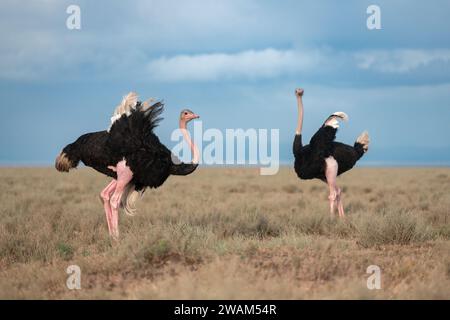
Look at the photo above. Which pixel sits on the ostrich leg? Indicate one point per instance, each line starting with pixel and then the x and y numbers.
pixel 105 195
pixel 124 176
pixel 331 174
pixel 340 204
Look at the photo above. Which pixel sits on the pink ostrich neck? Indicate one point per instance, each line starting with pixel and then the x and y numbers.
pixel 192 146
pixel 298 130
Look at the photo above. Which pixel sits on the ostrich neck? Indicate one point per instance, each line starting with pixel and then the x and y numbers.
pixel 192 146
pixel 298 130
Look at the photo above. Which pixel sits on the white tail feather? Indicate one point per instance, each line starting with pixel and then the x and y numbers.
pixel 364 140
pixel 129 198
pixel 341 115
pixel 128 102
pixel 332 120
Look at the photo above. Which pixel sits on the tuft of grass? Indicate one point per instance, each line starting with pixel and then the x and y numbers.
pixel 154 251
pixel 256 225
pixel 65 250
pixel 394 227
pixel 316 224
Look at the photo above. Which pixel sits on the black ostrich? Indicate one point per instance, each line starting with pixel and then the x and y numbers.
pixel 131 154
pixel 325 158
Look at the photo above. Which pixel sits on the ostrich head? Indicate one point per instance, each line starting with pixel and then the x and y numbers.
pixel 187 115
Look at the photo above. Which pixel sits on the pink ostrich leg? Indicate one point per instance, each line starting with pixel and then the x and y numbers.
pixel 335 196
pixel 105 195
pixel 124 176
pixel 340 204
pixel 331 173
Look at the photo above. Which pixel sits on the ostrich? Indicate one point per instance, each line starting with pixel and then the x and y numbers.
pixel 324 158
pixel 131 154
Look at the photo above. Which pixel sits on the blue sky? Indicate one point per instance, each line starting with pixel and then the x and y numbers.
pixel 236 63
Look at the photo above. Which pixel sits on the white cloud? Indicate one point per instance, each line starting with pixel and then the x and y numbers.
pixel 400 60
pixel 271 63
pixel 267 63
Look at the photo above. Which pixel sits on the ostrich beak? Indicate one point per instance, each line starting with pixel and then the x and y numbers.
pixel 195 116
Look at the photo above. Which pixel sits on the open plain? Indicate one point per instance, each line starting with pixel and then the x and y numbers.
pixel 227 233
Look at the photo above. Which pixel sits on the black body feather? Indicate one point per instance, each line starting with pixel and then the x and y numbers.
pixel 131 138
pixel 310 159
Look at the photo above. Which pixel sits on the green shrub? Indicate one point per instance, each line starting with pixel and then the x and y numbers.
pixel 65 250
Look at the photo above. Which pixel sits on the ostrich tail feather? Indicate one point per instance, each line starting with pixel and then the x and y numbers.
pixel 363 140
pixel 341 115
pixel 63 163
pixel 128 103
pixel 129 198
pixel 332 120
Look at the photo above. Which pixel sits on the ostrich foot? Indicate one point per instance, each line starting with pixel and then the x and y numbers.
pixel 115 234
pixel 114 218
pixel 340 205
pixel 333 203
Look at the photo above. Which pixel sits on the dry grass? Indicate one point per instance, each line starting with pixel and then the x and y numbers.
pixel 228 233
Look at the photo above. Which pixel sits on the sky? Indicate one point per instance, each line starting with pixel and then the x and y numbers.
pixel 236 63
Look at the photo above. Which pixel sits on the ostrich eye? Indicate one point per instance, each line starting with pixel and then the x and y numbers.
pixel 185 113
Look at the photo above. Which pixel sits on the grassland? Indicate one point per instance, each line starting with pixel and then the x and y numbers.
pixel 228 234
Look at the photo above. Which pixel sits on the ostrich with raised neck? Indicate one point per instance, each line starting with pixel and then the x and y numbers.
pixel 323 158
pixel 131 154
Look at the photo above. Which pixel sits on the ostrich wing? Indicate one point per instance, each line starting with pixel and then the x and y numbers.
pixel 345 155
pixel 134 132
